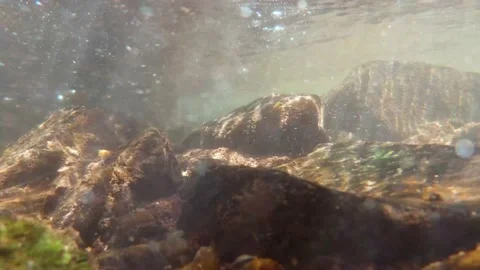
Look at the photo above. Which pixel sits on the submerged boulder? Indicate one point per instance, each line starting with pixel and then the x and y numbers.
pixel 290 125
pixel 145 170
pixel 98 173
pixel 272 214
pixel 141 225
pixel 388 100
pixel 62 163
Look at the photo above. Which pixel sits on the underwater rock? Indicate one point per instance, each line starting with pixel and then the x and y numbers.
pixel 205 259
pixel 290 125
pixel 56 170
pixel 141 257
pixel 194 163
pixel 145 170
pixel 246 262
pixel 140 226
pixel 29 244
pixel 170 253
pixel 394 170
pixel 271 214
pixel 446 133
pixel 87 169
pixel 440 133
pixel 140 204
pixel 388 100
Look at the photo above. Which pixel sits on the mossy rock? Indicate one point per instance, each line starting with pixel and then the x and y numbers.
pixel 28 244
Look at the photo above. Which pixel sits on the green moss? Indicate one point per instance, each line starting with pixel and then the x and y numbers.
pixel 26 244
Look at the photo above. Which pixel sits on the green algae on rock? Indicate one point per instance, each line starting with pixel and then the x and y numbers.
pixel 28 244
pixel 395 170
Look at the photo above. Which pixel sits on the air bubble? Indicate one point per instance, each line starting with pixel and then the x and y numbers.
pixel 302 4
pixel 245 12
pixel 464 148
pixel 277 14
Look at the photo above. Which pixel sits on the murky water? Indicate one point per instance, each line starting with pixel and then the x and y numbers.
pixel 208 58
pixel 315 48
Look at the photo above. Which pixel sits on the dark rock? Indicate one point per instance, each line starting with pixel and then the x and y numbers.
pixel 145 171
pixel 141 225
pixel 55 171
pixel 387 100
pixel 166 211
pixel 289 125
pixel 394 170
pixel 271 214
pixel 169 253
pixel 205 258
pixel 88 170
pixel 141 257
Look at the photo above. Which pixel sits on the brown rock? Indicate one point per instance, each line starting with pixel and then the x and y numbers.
pixel 141 257
pixel 145 171
pixel 141 225
pixel 433 173
pixel 289 125
pixel 194 163
pixel 433 133
pixel 461 261
pixel 55 172
pixel 205 259
pixel 271 214
pixel 169 253
pixel 388 100
pixel 83 169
